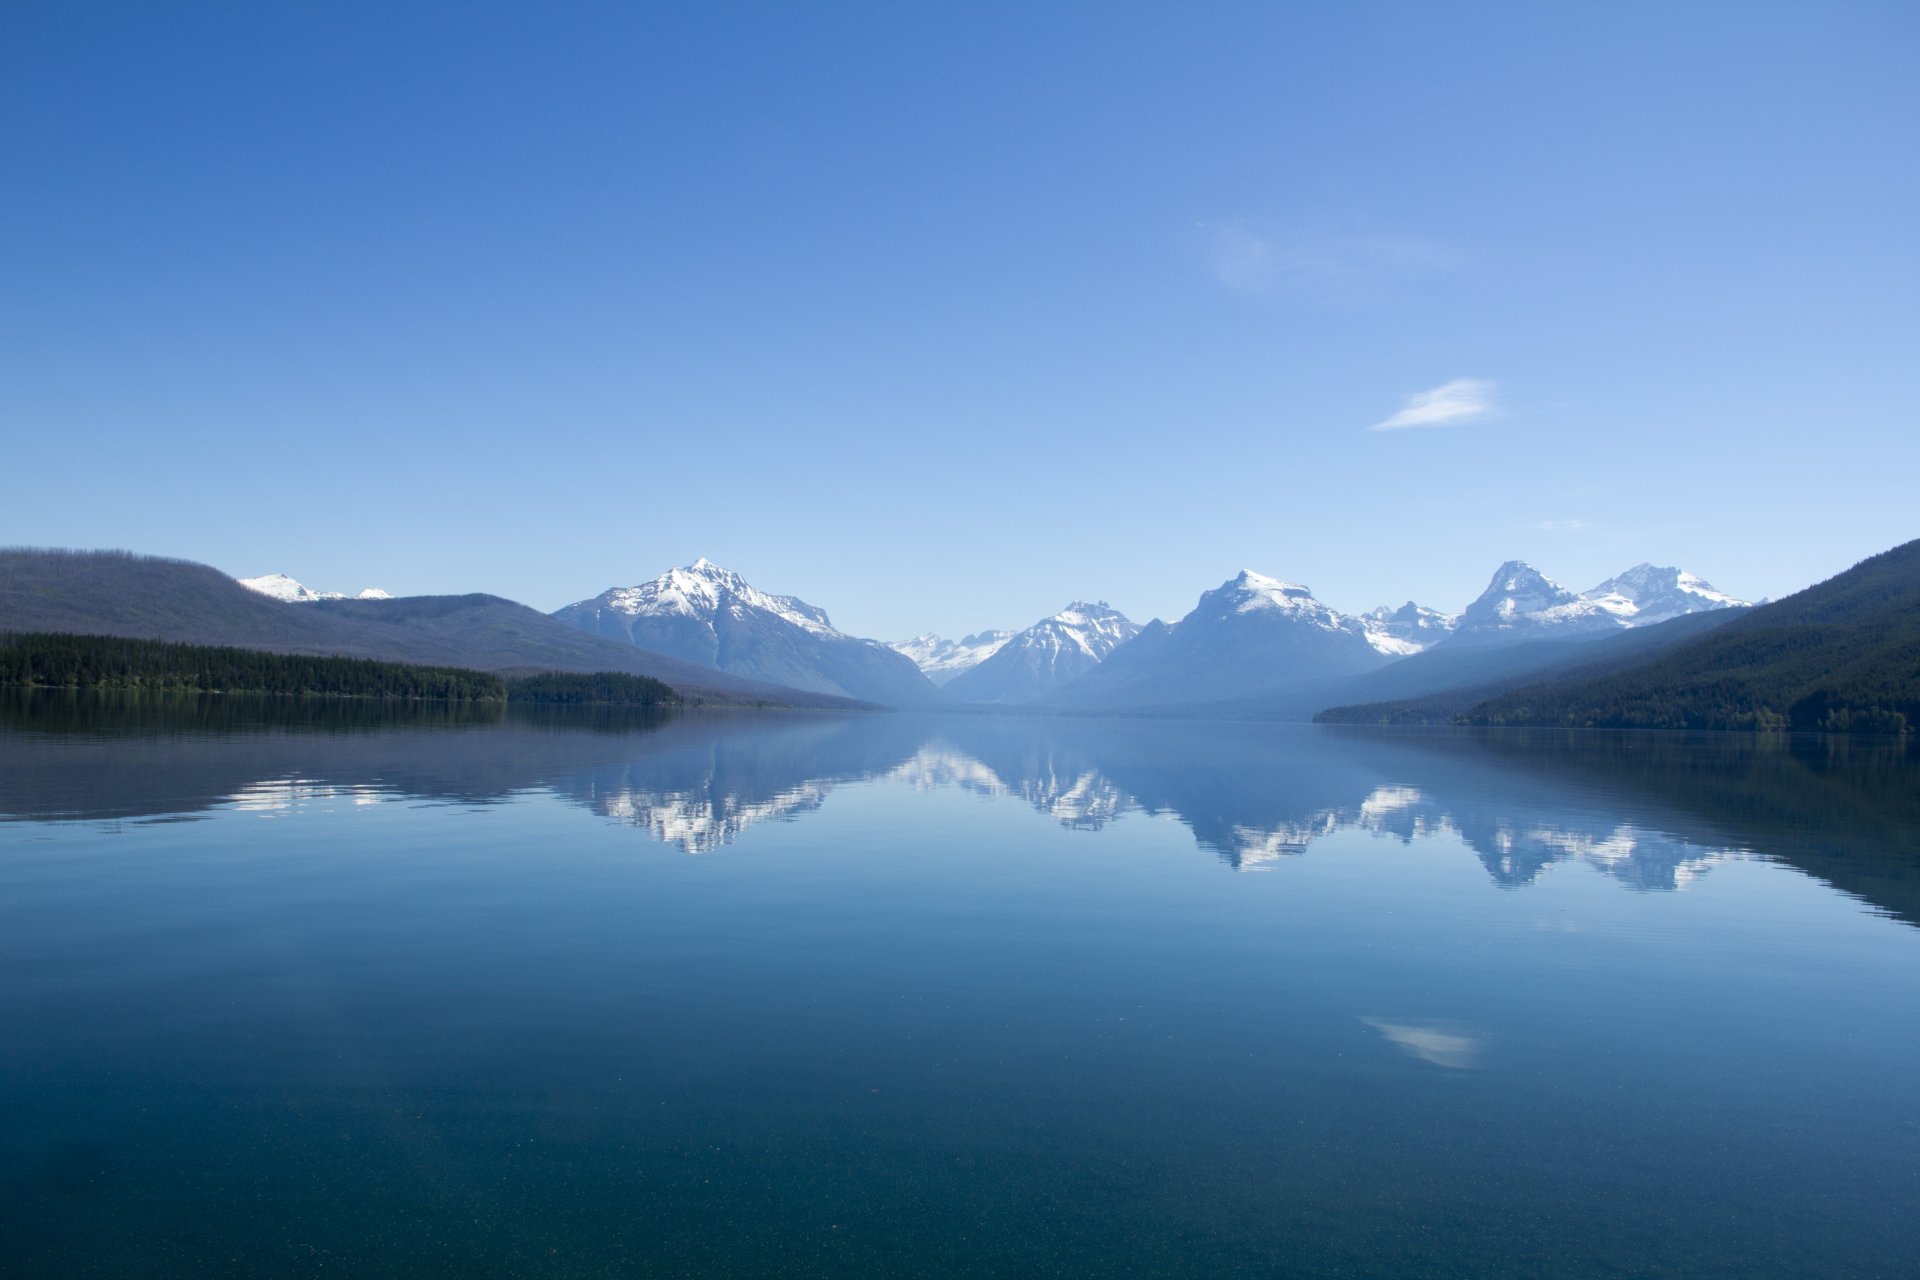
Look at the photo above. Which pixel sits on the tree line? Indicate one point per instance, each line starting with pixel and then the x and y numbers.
pixel 63 661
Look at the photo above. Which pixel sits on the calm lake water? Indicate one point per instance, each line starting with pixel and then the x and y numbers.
pixel 325 990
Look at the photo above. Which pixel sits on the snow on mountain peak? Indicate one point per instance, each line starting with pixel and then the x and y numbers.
pixel 704 613
pixel 1049 654
pixel 1647 593
pixel 1522 601
pixel 1258 591
pixel 703 589
pixel 940 659
pixel 1094 629
pixel 280 586
pixel 1409 629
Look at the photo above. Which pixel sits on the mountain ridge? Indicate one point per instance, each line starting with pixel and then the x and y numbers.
pixel 161 598
pixel 1048 655
pixel 711 616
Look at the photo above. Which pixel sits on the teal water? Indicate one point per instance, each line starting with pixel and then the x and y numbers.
pixel 311 990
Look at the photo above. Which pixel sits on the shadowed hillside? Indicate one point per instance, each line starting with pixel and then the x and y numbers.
pixel 145 597
pixel 1842 656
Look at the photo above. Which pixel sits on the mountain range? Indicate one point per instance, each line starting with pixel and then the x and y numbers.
pixel 941 660
pixel 1521 603
pixel 1841 656
pixel 147 597
pixel 1255 645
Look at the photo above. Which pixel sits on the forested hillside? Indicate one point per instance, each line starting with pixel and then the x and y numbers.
pixel 148 597
pixel 1840 657
pixel 57 661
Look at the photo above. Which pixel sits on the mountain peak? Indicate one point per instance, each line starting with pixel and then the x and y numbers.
pixel 1521 602
pixel 1249 591
pixel 1408 629
pixel 280 586
pixel 1649 593
pixel 702 590
pixel 1054 651
pixel 941 659
pixel 711 615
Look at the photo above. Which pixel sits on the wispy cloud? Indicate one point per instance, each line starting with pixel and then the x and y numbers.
pixel 1449 404
pixel 1561 526
pixel 1241 258
pixel 1249 257
pixel 1431 1042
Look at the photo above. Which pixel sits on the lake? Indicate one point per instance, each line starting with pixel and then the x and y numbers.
pixel 317 989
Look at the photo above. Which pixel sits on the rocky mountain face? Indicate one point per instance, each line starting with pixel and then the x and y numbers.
pixel 1052 653
pixel 1646 594
pixel 1251 633
pixel 1521 603
pixel 1413 625
pixel 941 659
pixel 710 615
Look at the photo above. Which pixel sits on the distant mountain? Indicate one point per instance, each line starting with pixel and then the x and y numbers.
pixel 1415 626
pixel 118 594
pixel 1647 594
pixel 1249 635
pixel 1434 687
pixel 1840 656
pixel 279 586
pixel 1053 652
pixel 1521 603
pixel 705 614
pixel 940 659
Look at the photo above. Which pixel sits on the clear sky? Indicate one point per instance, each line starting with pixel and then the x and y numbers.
pixel 941 317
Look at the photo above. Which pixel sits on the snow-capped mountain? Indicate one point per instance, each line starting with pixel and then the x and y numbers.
pixel 940 659
pixel 1646 594
pixel 282 587
pixel 1049 654
pixel 1414 625
pixel 1521 603
pixel 710 615
pixel 1249 634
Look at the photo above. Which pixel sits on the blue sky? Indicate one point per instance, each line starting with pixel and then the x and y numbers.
pixel 940 317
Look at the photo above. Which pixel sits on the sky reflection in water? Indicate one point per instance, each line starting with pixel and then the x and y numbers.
pixel 966 996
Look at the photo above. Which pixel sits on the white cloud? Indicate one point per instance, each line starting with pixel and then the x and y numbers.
pixel 1431 1042
pixel 1561 526
pixel 1450 403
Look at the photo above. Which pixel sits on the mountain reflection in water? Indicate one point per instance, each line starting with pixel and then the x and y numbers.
pixel 1651 811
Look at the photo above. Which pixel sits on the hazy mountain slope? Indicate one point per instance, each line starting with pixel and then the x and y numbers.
pixel 114 593
pixel 1647 594
pixel 1842 655
pixel 1522 604
pixel 941 660
pixel 1418 626
pixel 1250 635
pixel 1438 686
pixel 705 614
pixel 1046 656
